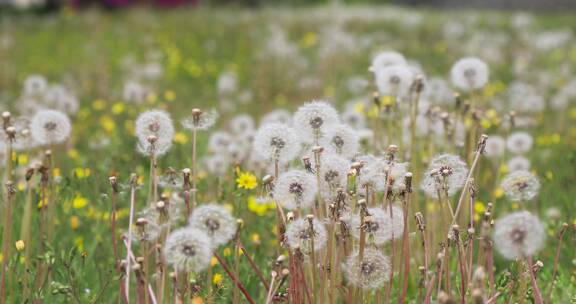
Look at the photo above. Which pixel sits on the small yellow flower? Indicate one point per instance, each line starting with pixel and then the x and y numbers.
pixel 246 180
pixel 108 124
pixel 73 153
pixel 118 108
pixel 169 95
pixel 255 238
pixel 79 202
pixel 22 159
pixel 213 262
pixel 503 169
pixel 479 207
pixel 20 245
pixel 74 222
pixel 180 137
pixel 151 98
pixel 217 279
pixel 56 172
pixel 549 175
pixel 226 252
pixel 499 192
pixel 79 243
pixel 309 39
pixel 98 104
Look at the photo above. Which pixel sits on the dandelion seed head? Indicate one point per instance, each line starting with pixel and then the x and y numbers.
pixel 216 221
pixel 455 172
pixel 438 91
pixel 354 119
pixel 333 174
pixel 219 141
pixel 188 250
pixel 295 189
pixel 469 74
pixel 520 186
pixel 518 163
pixel 277 116
pixel 200 121
pixel 369 273
pixel 154 124
pixel 50 127
pixel 217 164
pixel 394 80
pixel 242 124
pixel 386 59
pixel 519 235
pixel 277 141
pixel 519 142
pixel 381 227
pixel 299 235
pixel 35 85
pixel 495 146
pixel 313 119
pixel 341 140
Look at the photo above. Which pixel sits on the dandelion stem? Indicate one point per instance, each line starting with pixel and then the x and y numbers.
pixel 133 180
pixel 6 239
pixel 560 238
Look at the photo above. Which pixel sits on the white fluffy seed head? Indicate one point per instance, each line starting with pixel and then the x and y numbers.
pixel 242 124
pixel 455 173
pixel 341 140
pixel 219 141
pixel 438 92
pixel 386 59
pixel 277 141
pixel 277 116
pixel 50 127
pixel 333 174
pixel 519 142
pixel 470 74
pixel 369 273
pixel 394 80
pixel 216 221
pixel 295 189
pixel 519 235
pixel 495 146
pixel 520 186
pixel 188 250
pixel 299 235
pixel 313 119
pixel 201 122
pixel 35 85
pixel 158 124
pixel 382 226
pixel 518 163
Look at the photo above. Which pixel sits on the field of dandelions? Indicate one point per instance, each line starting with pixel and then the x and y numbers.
pixel 309 155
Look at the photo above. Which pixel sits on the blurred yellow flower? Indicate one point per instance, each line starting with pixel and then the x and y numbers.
pixel 169 95
pixel 479 207
pixel 255 237
pixel 259 208
pixel 499 192
pixel 20 245
pixel 98 104
pixel 73 153
pixel 217 279
pixel 309 39
pixel 107 123
pixel 118 108
pixel 226 252
pixel 503 169
pixel 74 222
pixel 22 159
pixel 213 262
pixel 180 137
pixel 246 180
pixel 79 202
pixel 56 172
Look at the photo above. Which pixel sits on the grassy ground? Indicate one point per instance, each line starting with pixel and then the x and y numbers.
pixel 94 53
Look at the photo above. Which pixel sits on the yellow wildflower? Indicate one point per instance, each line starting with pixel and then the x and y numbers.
pixel 73 153
pixel 255 238
pixel 118 108
pixel 98 104
pixel 169 95
pixel 217 279
pixel 259 208
pixel 74 222
pixel 79 243
pixel 107 123
pixel 479 207
pixel 20 245
pixel 499 192
pixel 309 39
pixel 246 180
pixel 213 262
pixel 226 252
pixel 180 137
pixel 22 159
pixel 79 202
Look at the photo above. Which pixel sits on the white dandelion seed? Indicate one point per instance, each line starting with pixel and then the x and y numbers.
pixel 438 91
pixel 217 164
pixel 341 140
pixel 50 127
pixel 518 163
pixel 299 235
pixel 277 141
pixel 35 85
pixel 188 250
pixel 216 221
pixel 469 74
pixel 394 80
pixel 242 124
pixel 201 122
pixel 354 119
pixel 381 227
pixel 452 173
pixel 495 146
pixel 520 186
pixel 134 92
pixel 519 235
pixel 295 189
pixel 277 116
pixel 333 174
pixel 313 119
pixel 369 273
pixel 157 124
pixel 386 59
pixel 519 142
pixel 219 141
pixel 59 98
